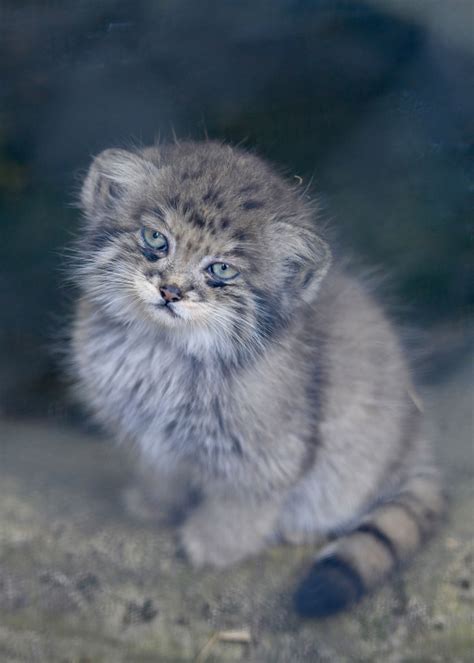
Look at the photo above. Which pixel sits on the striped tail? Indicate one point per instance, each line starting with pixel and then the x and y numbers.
pixel 357 562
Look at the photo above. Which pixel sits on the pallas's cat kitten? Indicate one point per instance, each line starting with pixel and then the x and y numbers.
pixel 214 334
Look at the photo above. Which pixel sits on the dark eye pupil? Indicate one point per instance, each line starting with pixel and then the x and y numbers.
pixel 224 267
pixel 156 235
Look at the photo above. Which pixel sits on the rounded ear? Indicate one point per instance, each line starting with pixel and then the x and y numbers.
pixel 315 267
pixel 113 175
pixel 308 258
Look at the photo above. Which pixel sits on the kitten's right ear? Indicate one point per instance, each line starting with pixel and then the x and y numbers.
pixel 113 175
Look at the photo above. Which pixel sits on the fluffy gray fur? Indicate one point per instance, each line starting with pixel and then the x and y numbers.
pixel 280 397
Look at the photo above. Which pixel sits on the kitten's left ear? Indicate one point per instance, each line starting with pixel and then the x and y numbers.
pixel 113 176
pixel 308 258
pixel 316 262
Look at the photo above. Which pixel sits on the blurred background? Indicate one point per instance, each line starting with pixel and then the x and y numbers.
pixel 372 103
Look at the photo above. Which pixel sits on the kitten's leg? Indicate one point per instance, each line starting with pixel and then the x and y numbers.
pixel 222 531
pixel 296 535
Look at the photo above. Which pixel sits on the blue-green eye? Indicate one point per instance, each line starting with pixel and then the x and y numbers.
pixel 154 239
pixel 222 271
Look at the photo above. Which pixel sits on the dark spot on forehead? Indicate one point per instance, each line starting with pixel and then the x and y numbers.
pixel 138 213
pixel 151 210
pixel 240 236
pixel 197 220
pixel 187 205
pixel 185 176
pixel 252 204
pixel 211 195
pixel 238 251
pixel 211 226
pixel 157 211
pixel 173 201
pixel 225 222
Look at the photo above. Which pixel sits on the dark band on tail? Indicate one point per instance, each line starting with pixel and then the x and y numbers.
pixel 376 533
pixel 331 585
pixel 421 513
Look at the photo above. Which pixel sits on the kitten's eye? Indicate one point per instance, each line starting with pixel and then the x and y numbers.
pixel 222 271
pixel 154 239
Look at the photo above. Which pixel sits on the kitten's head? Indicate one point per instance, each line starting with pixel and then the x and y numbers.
pixel 200 240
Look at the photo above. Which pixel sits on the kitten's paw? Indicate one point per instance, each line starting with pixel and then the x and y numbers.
pixel 193 548
pixel 221 532
pixel 204 543
pixel 201 549
pixel 296 526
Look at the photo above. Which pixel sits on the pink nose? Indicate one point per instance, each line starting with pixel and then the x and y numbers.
pixel 170 293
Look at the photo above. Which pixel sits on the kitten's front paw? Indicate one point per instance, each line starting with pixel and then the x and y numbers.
pixel 202 547
pixel 299 537
pixel 222 532
pixel 193 547
pixel 210 538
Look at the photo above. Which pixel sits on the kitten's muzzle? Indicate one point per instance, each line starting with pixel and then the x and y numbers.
pixel 171 293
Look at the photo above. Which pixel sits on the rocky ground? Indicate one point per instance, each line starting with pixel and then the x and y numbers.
pixel 81 581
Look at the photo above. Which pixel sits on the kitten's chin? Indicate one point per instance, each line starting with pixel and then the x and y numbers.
pixel 167 310
pixel 164 314
pixel 189 332
pixel 189 329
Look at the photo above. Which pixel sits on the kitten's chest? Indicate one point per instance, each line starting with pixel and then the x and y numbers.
pixel 146 388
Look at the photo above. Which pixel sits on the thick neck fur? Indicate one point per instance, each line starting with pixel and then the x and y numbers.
pixel 187 402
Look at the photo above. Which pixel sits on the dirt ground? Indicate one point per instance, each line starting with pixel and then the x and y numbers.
pixel 82 581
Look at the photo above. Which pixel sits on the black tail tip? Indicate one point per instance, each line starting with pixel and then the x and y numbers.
pixel 331 586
